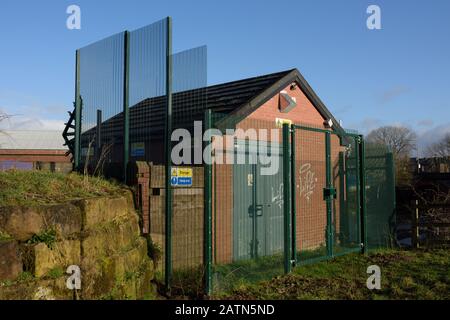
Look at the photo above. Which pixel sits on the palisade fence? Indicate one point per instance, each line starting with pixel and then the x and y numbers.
pixel 264 198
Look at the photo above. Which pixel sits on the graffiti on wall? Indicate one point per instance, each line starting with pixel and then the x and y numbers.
pixel 278 196
pixel 308 181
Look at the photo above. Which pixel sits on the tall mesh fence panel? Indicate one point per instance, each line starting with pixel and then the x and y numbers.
pixel 346 206
pixel 147 92
pixel 101 91
pixel 248 234
pixel 187 180
pixel 380 197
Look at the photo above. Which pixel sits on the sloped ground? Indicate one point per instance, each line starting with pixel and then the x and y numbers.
pixel 422 274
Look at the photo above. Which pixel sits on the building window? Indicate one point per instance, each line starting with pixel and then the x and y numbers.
pixel 19 165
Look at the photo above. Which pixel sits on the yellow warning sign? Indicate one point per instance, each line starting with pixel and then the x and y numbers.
pixel 185 172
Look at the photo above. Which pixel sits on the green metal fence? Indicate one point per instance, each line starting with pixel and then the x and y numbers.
pixel 324 201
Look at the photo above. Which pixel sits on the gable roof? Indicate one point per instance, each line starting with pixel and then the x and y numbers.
pixel 290 77
pixel 236 98
pixel 231 96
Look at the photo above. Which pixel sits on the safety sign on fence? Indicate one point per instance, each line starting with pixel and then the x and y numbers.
pixel 181 177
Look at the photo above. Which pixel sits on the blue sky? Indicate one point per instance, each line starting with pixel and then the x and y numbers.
pixel 367 78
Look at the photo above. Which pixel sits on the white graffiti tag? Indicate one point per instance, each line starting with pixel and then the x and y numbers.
pixel 278 196
pixel 308 181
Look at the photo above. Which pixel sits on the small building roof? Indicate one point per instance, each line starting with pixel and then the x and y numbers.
pixel 31 140
pixel 238 98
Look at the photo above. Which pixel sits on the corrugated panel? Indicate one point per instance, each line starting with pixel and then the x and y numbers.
pixel 31 140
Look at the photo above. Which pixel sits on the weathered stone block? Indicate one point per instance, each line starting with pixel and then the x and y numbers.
pixel 66 219
pixel 101 210
pixel 62 255
pixel 110 238
pixel 10 260
pixel 22 223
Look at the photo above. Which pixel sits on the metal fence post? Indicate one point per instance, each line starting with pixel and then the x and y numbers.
pixel 293 196
pixel 358 185
pixel 362 173
pixel 78 106
pixel 415 223
pixel 168 160
pixel 345 227
pixel 207 246
pixel 287 199
pixel 126 111
pixel 329 194
pixel 98 136
pixel 390 176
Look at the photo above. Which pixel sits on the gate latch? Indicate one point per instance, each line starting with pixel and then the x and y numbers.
pixel 329 193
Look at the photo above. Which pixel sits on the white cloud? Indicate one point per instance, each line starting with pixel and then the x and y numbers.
pixel 433 135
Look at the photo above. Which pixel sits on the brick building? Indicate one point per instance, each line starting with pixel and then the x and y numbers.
pixel 262 102
pixel 28 150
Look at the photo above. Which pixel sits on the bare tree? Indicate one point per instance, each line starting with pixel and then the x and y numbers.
pixel 401 140
pixel 3 116
pixel 439 153
pixel 440 149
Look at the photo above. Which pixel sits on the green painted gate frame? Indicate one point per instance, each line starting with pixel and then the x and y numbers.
pixel 289 203
pixel 329 191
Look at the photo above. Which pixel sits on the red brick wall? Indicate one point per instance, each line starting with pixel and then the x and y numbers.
pixel 304 112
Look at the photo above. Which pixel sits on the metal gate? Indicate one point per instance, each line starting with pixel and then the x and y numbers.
pixel 313 208
pixel 326 194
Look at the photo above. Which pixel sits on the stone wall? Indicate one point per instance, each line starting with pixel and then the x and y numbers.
pixel 101 236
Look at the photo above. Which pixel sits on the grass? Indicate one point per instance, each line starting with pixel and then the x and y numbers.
pixel 238 274
pixel 242 273
pixel 4 236
pixel 423 274
pixel 28 188
pixel 55 273
pixel 48 237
